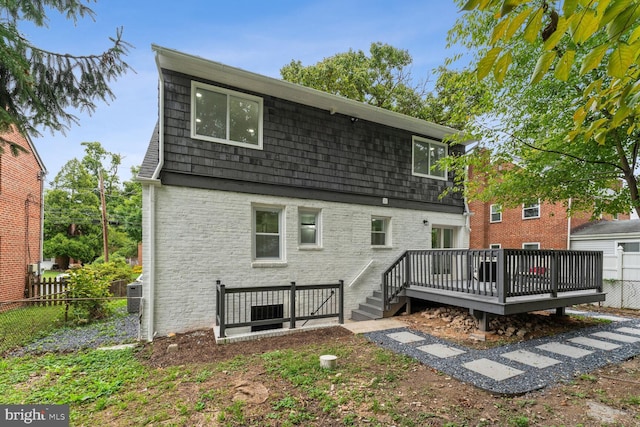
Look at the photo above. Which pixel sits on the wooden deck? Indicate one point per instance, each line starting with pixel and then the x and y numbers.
pixel 496 281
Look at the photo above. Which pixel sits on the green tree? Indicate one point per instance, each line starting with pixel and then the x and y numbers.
pixel 383 79
pixel 568 101
pixel 39 88
pixel 73 216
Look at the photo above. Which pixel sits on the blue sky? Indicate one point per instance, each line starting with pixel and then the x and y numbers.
pixel 258 36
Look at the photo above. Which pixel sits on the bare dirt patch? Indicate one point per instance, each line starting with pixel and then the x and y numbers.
pixel 372 387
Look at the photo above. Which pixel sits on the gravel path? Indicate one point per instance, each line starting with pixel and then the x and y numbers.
pixel 121 328
pixel 456 364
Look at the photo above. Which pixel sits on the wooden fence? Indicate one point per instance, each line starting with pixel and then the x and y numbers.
pixel 53 290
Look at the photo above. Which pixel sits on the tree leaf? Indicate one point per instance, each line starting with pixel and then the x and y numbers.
pixel 584 25
pixel 622 22
pixel 542 66
pixel 508 6
pixel 634 36
pixel 615 8
pixel 470 5
pixel 621 114
pixel 486 63
pixel 593 59
pixel 553 40
pixel 563 68
pixel 499 30
pixel 516 22
pixel 534 25
pixel 620 60
pixel 568 7
pixel 502 65
pixel 579 116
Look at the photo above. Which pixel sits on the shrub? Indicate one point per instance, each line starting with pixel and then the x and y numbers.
pixel 90 289
pixel 116 269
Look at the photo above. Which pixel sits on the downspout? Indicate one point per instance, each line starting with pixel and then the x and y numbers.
pixel 150 304
pixel 41 176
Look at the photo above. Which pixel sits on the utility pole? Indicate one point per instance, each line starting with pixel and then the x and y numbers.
pixel 105 238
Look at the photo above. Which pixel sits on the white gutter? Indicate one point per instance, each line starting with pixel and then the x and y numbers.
pixel 150 280
pixel 156 173
pixel 151 202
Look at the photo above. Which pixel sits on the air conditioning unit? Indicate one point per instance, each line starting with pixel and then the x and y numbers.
pixel 33 268
pixel 134 294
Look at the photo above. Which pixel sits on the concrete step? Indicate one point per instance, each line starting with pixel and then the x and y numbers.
pixel 373 309
pixel 359 315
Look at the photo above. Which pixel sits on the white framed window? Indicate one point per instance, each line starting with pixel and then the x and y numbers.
pixel 531 210
pixel 310 227
pixel 495 246
pixel 268 233
pixel 425 154
pixel 629 246
pixel 226 116
pixel 496 213
pixel 380 231
pixel 535 245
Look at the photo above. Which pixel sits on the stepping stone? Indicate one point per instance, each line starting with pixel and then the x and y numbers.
pixel 565 350
pixel 532 359
pixel 494 370
pixel 616 337
pixel 440 350
pixel 632 331
pixel 590 342
pixel 405 337
pixel 612 318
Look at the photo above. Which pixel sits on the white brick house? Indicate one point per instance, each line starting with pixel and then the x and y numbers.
pixel 305 187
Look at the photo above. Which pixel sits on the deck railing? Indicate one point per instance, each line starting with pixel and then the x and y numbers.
pixel 496 273
pixel 269 307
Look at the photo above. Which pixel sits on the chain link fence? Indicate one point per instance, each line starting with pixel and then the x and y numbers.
pixel 622 293
pixel 23 322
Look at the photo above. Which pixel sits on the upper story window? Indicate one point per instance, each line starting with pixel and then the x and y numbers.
pixel 496 213
pixel 268 236
pixel 310 232
pixel 225 116
pixel 531 210
pixel 425 154
pixel 380 231
pixel 630 246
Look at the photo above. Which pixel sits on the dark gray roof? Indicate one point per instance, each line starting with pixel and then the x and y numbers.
pixel 151 158
pixel 631 226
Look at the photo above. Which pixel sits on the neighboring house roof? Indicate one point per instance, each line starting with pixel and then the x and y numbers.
pixel 195 66
pixel 604 229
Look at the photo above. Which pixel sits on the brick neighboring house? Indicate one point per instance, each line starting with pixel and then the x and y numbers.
pixel 21 192
pixel 305 186
pixel 529 226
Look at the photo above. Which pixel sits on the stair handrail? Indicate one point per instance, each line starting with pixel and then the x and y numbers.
pixel 386 294
pixel 361 272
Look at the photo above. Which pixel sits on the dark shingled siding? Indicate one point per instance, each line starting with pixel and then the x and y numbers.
pixel 303 148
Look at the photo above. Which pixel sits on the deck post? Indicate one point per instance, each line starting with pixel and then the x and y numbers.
pixel 560 311
pixel 554 274
pixel 384 293
pixel 501 281
pixel 292 306
pixel 407 269
pixel 220 308
pixel 483 319
pixel 341 308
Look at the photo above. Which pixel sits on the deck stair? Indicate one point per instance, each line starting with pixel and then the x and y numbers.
pixel 372 308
